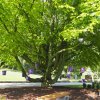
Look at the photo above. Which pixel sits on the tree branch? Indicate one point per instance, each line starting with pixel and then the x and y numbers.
pixel 4 25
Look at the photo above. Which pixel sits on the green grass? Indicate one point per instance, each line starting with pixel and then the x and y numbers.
pixel 13 76
pixel 74 86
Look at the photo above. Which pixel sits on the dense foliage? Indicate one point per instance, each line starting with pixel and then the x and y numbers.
pixel 49 34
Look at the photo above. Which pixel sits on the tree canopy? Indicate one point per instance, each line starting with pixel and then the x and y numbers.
pixel 50 33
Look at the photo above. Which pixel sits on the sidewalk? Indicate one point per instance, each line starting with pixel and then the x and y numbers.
pixel 16 85
pixel 37 84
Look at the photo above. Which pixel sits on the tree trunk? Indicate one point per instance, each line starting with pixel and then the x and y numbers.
pixel 21 67
pixel 25 74
pixel 60 68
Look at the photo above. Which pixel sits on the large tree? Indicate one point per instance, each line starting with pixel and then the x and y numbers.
pixel 50 34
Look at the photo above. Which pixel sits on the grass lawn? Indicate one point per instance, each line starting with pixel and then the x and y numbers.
pixel 74 86
pixel 13 76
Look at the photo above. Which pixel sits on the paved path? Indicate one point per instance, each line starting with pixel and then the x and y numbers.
pixel 37 84
pixel 15 85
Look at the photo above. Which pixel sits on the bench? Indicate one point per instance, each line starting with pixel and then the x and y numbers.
pixel 55 96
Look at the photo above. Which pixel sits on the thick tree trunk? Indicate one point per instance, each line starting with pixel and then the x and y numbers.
pixel 60 68
pixel 59 65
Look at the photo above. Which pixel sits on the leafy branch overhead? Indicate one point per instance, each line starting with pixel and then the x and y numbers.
pixel 48 32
